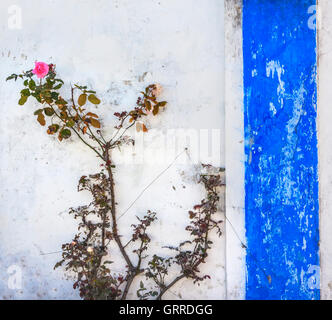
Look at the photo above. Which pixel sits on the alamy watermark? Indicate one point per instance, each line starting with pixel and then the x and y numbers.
pixel 162 146
pixel 314 20
pixel 314 278
pixel 15 277
pixel 14 17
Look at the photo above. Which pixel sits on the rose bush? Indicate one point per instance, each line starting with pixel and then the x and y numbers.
pixel 88 255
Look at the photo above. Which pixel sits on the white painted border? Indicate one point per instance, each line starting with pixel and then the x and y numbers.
pixel 324 131
pixel 234 117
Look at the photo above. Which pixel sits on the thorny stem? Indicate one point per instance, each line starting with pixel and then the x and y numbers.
pixel 137 271
pixel 116 236
pixel 133 271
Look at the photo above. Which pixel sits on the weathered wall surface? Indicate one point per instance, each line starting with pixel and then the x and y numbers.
pixel 270 52
pixel 234 156
pixel 281 176
pixel 117 47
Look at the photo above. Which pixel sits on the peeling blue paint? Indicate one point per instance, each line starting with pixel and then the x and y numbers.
pixel 281 181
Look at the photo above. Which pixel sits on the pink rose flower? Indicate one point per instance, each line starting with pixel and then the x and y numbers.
pixel 41 69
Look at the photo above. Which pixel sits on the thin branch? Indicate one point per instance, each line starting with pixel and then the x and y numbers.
pixel 87 144
pixel 119 127
pixel 165 288
pixel 124 131
pixel 75 108
pixel 113 210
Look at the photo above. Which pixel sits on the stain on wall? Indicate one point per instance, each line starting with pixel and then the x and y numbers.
pixel 281 181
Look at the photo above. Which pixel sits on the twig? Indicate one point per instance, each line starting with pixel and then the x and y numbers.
pixel 75 108
pixel 87 144
pixel 166 288
pixel 47 253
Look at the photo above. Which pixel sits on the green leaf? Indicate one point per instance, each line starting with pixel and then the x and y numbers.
pixel 25 92
pixel 26 82
pixel 41 119
pixel 49 112
pixel 82 99
pixel 32 85
pixel 46 93
pixel 38 112
pixel 61 101
pixel 65 133
pixel 13 76
pixel 93 99
pixel 92 115
pixel 53 128
pixel 155 110
pixel 58 264
pixel 38 98
pixel 23 100
pixel 70 123
pixel 95 123
pixel 49 83
pixel 58 86
pixel 147 104
pixel 54 95
pixel 162 103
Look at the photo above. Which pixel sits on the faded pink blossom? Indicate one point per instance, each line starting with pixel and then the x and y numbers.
pixel 157 90
pixel 41 69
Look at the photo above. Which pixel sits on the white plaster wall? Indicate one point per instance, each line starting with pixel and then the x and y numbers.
pixel 117 47
pixel 234 147
pixel 324 144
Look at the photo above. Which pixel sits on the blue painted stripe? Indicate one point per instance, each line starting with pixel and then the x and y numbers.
pixel 281 180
